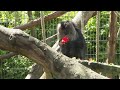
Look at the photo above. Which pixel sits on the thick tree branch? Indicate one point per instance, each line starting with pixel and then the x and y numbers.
pixel 34 74
pixel 11 54
pixel 87 16
pixel 57 65
pixel 38 21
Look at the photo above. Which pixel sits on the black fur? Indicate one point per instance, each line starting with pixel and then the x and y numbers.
pixel 74 48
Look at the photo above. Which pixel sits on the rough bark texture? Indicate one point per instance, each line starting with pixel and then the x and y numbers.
pixel 112 38
pixel 56 65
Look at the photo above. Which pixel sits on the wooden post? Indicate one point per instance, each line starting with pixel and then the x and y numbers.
pixel 43 26
pixel 97 34
pixel 112 37
pixel 31 18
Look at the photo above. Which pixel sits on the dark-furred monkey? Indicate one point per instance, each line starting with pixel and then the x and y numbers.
pixel 71 40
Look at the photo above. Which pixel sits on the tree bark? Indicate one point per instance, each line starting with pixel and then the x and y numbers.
pixel 112 38
pixel 56 65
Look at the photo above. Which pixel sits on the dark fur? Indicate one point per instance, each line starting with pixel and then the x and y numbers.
pixel 76 47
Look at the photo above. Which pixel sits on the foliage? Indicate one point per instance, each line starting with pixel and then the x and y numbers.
pixel 15 67
pixel 90 35
pixel 14 18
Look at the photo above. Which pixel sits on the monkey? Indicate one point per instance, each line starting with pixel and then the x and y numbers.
pixel 71 40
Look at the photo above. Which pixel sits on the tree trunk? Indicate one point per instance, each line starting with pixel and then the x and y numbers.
pixel 31 18
pixel 56 65
pixel 112 38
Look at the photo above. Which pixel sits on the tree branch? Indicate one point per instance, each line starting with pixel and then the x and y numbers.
pixel 11 54
pixel 87 16
pixel 55 64
pixel 38 21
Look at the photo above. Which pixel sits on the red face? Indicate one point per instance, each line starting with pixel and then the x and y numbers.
pixel 64 40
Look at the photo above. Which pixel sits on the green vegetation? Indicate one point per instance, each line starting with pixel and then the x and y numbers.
pixel 15 67
pixel 90 34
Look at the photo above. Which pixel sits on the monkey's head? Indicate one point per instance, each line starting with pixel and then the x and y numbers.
pixel 66 29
